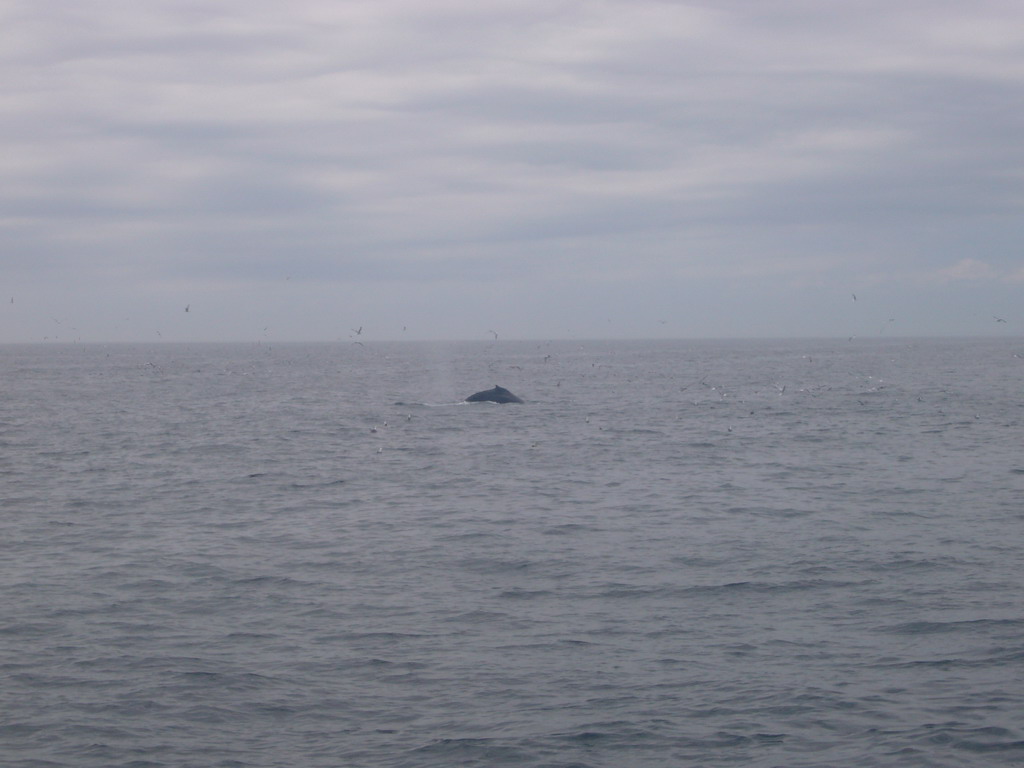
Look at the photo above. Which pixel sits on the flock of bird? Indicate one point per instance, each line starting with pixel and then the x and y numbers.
pixel 356 332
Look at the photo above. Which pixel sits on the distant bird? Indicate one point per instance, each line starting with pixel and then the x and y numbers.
pixel 854 296
pixel 359 331
pixel 495 334
pixel 359 343
pixel 999 319
pixel 187 306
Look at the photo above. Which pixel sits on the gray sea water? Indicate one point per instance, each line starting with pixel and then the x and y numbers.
pixel 792 553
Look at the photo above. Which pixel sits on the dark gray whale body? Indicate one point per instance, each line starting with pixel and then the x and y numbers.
pixel 496 395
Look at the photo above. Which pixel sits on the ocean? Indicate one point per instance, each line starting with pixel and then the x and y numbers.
pixel 675 553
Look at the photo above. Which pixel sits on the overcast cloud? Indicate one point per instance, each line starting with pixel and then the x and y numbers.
pixel 548 169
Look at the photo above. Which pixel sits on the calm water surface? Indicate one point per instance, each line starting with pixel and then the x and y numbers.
pixel 799 553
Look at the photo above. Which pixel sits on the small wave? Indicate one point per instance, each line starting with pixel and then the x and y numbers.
pixel 433 405
pixel 478 751
pixel 982 740
pixel 935 627
pixel 566 529
pixel 608 733
pixel 320 484
pixel 525 594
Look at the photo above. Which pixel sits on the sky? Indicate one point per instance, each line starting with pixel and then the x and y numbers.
pixel 257 170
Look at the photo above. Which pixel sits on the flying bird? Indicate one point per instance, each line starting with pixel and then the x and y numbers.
pixel 999 319
pixel 187 306
pixel 359 331
pixel 495 334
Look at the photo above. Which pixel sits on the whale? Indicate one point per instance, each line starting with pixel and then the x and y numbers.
pixel 496 395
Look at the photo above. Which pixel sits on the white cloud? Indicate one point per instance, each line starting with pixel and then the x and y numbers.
pixel 968 269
